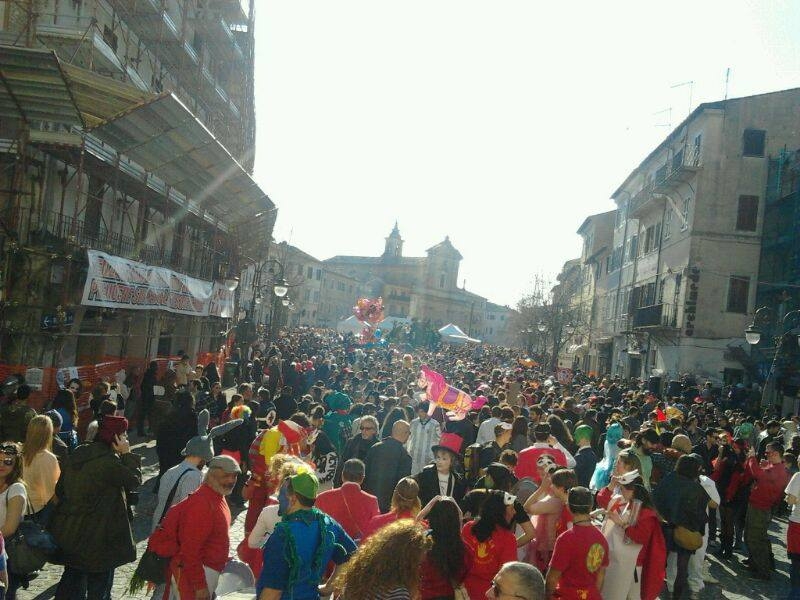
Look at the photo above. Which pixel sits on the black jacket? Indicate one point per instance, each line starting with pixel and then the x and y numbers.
pixel 387 463
pixel 428 480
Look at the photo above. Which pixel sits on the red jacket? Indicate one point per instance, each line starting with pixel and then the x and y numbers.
pixel 351 507
pixel 526 462
pixel 653 555
pixel 768 483
pixel 203 539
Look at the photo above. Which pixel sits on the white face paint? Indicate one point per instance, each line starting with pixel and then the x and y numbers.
pixel 443 460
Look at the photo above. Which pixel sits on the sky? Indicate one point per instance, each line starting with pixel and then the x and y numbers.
pixel 501 123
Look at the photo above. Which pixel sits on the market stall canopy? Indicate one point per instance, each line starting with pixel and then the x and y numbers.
pixel 454 335
pixel 166 139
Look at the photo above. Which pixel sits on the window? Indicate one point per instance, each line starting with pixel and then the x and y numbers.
pixel 747 215
pixel 668 223
pixel 299 269
pixel 738 290
pixel 685 214
pixel 319 274
pixel 753 142
pixel 441 280
pixel 310 273
pixel 634 247
pixel 307 295
pixel 661 174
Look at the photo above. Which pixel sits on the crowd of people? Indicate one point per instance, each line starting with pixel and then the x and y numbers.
pixel 359 486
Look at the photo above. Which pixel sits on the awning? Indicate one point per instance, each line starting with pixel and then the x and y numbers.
pixel 165 138
pixel 33 88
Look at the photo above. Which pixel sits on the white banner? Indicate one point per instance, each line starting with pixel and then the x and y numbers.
pixel 115 282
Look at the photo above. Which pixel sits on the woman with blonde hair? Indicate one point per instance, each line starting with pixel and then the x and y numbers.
pixel 40 468
pixel 387 565
pixel 405 505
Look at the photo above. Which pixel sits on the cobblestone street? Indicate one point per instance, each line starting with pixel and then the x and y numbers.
pixel 733 577
pixel 43 587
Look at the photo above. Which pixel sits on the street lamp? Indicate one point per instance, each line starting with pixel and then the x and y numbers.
pixel 541 326
pixel 569 328
pixel 281 288
pixel 752 334
pixel 286 301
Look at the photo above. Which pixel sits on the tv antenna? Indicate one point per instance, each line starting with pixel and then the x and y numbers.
pixel 727 81
pixel 668 113
pixel 691 90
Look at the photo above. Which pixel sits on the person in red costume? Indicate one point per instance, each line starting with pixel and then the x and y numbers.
pixel 638 553
pixel 545 443
pixel 349 505
pixel 203 534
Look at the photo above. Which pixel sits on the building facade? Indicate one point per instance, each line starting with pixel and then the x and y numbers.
pixel 422 288
pixel 127 204
pixel 679 283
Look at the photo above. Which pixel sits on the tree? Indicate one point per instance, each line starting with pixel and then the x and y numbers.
pixel 546 317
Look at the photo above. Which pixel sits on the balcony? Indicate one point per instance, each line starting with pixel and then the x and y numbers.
pixel 191 257
pixel 655 316
pixel 681 168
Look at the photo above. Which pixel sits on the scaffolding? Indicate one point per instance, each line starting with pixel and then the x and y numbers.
pixel 78 82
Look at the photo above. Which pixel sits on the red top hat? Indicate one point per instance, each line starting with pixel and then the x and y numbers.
pixel 451 442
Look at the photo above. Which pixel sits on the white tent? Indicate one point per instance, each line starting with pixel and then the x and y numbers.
pixel 454 335
pixel 350 325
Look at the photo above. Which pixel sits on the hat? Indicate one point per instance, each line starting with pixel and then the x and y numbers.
pixel 629 477
pixel 110 427
pixel 682 443
pixel 292 432
pixel 338 401
pixel 55 418
pixel 583 432
pixel 305 484
pixel 227 463
pixel 202 444
pixel 451 442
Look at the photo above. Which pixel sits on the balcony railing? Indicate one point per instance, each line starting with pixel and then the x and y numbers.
pixel 656 315
pixel 678 169
pixel 191 257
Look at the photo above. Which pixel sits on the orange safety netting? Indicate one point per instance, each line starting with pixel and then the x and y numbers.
pixel 91 374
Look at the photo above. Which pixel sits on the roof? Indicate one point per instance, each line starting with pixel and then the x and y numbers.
pixel 594 217
pixel 33 88
pixel 165 138
pixel 445 245
pixel 372 260
pixel 719 104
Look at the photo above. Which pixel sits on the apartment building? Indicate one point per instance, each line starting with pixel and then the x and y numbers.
pixel 679 283
pixel 127 204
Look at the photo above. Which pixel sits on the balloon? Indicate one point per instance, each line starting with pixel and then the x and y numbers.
pixel 378 333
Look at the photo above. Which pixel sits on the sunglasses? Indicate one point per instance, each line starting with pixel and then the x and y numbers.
pixel 9 449
pixel 8 462
pixel 367 428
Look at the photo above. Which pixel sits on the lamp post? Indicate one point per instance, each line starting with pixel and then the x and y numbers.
pixel 274 289
pixel 753 335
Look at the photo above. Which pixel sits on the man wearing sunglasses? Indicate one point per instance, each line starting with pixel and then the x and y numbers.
pixel 517 580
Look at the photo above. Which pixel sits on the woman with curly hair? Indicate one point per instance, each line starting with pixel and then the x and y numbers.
pixel 387 565
pixel 489 541
pixel 405 505
pixel 447 562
